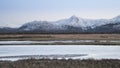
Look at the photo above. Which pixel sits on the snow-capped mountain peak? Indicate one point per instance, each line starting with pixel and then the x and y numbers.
pixel 117 16
pixel 73 21
pixel 36 25
pixel 116 19
pixel 71 25
pixel 73 17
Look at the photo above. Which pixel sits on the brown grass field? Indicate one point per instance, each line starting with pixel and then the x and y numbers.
pixel 59 36
pixel 51 37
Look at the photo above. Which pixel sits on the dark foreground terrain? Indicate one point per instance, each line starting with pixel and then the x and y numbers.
pixel 47 63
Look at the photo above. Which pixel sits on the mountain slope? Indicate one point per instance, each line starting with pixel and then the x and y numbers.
pixel 8 30
pixel 72 25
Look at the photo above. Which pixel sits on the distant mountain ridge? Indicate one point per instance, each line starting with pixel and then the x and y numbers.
pixel 73 24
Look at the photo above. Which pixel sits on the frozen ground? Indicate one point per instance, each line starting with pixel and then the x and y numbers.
pixel 57 41
pixel 72 51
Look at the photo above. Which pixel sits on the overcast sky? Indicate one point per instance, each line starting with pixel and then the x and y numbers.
pixel 16 12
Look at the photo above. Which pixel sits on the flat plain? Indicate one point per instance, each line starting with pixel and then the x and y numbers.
pixel 59 36
pixel 99 39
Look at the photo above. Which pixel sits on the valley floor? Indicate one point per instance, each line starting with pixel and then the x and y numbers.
pixel 97 39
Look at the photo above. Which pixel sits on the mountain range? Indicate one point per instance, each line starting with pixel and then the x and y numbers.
pixel 73 24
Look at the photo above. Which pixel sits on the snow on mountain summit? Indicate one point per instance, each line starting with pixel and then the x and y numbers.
pixel 36 25
pixel 116 19
pixel 83 23
pixel 72 21
pixel 72 24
